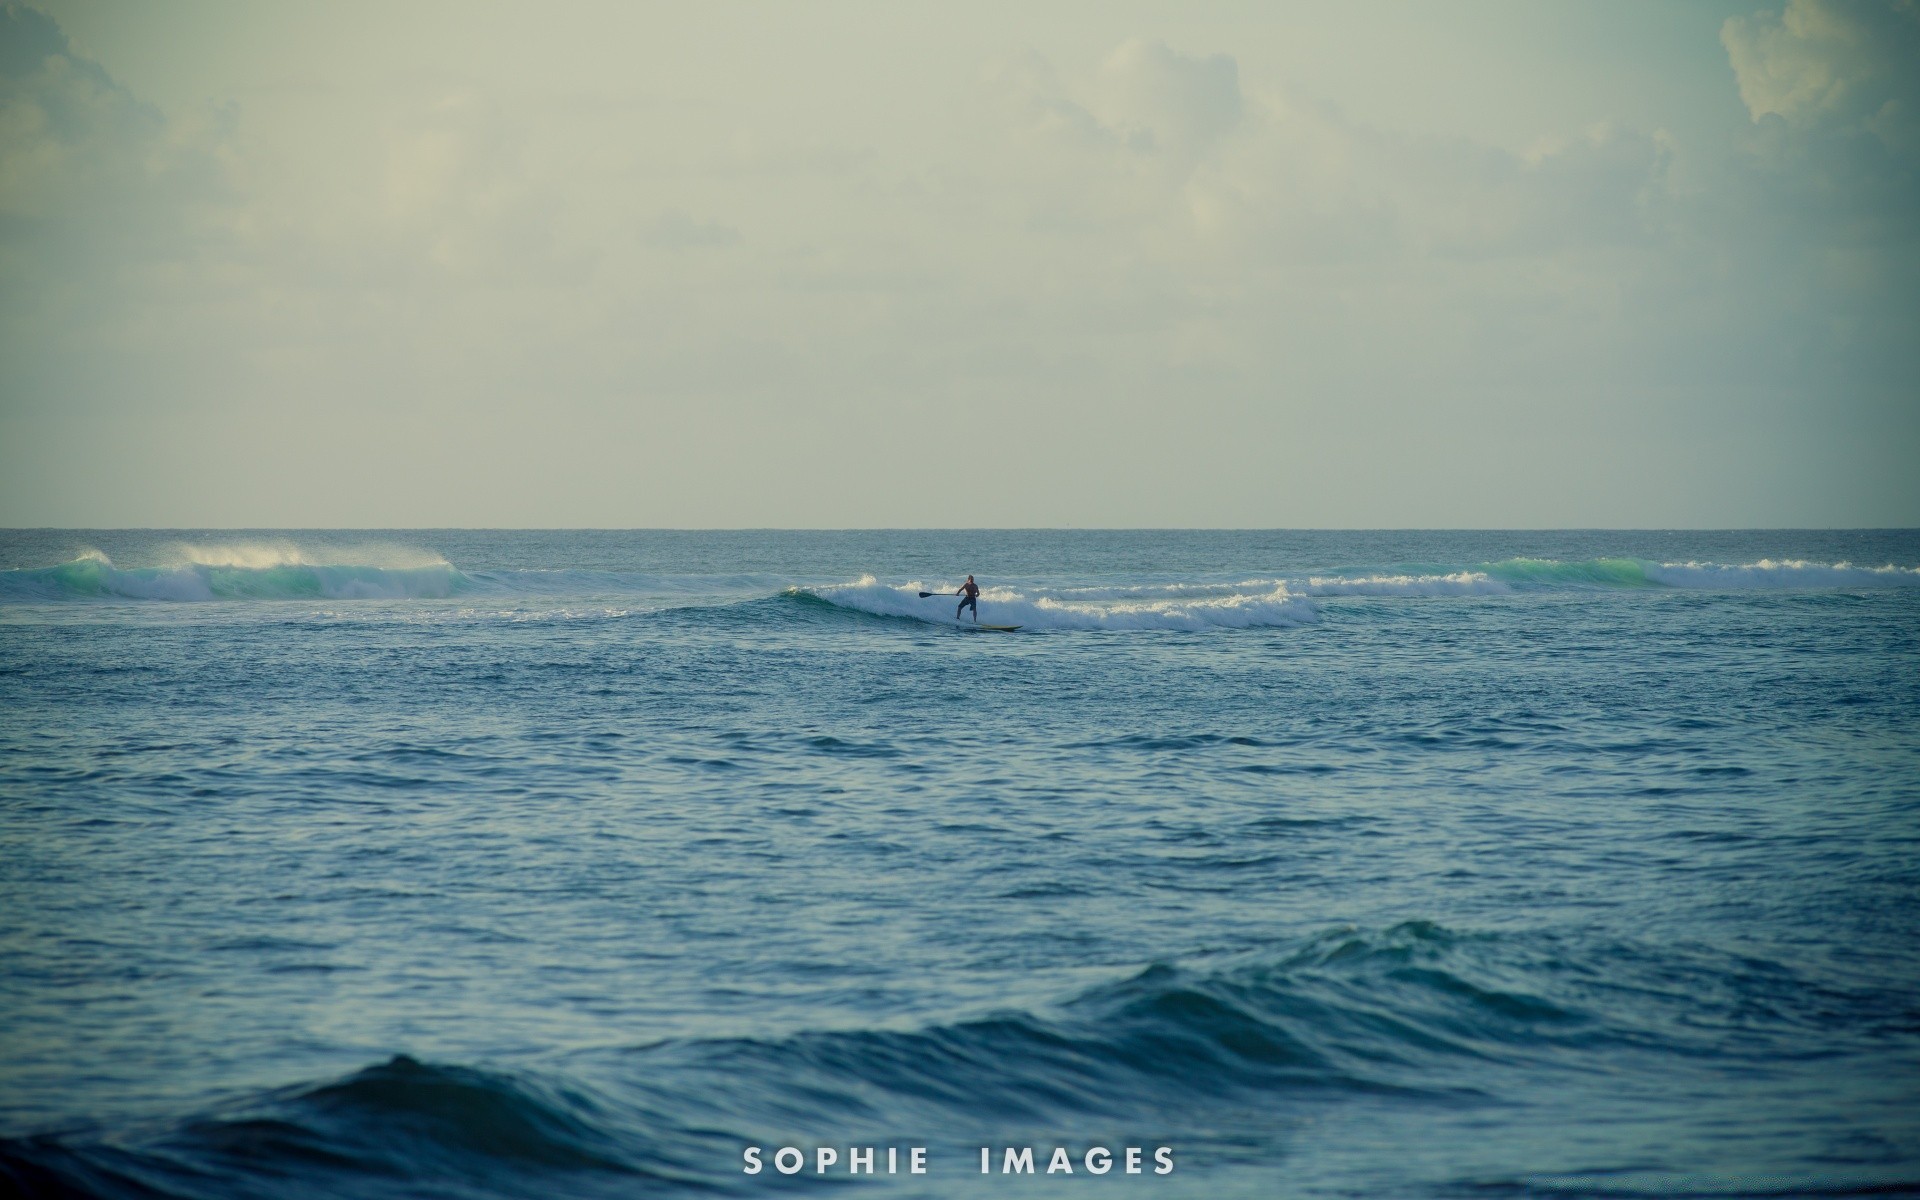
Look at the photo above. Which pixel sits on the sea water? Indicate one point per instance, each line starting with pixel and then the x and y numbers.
pixel 456 863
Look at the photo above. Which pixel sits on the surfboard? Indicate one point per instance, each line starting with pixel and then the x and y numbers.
pixel 994 628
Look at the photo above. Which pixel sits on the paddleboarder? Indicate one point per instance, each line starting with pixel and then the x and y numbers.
pixel 969 598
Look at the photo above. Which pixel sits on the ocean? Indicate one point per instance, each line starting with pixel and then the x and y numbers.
pixel 530 864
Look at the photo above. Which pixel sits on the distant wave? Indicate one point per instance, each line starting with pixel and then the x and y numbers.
pixel 1546 574
pixel 1281 602
pixel 281 571
pixel 1789 573
pixel 1274 606
pixel 1533 573
pixel 231 577
pixel 1458 583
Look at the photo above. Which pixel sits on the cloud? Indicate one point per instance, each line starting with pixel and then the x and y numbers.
pixel 1851 64
pixel 1159 100
pixel 106 206
pixel 1036 103
pixel 1825 188
pixel 1146 99
pixel 71 139
pixel 1167 144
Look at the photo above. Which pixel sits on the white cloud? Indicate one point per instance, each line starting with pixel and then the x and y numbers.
pixel 1164 144
pixel 1161 101
pixel 1146 98
pixel 78 150
pixel 1852 63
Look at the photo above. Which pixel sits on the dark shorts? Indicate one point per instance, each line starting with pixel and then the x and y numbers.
pixel 972 602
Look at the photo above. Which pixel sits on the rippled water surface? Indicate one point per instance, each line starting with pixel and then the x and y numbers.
pixel 434 863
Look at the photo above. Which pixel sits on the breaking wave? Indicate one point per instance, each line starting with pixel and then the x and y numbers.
pixel 233 575
pixel 1222 608
pixel 1459 583
pixel 1546 574
pixel 1280 602
pixel 1534 573
pixel 1768 573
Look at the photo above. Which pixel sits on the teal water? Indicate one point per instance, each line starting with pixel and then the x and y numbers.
pixel 448 863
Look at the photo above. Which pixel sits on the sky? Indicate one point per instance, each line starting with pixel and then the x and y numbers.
pixel 1482 264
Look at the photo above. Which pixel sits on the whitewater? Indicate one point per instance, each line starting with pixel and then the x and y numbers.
pixel 528 863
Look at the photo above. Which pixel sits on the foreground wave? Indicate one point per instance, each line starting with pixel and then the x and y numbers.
pixel 1417 1014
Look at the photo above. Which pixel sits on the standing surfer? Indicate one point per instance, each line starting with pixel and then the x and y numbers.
pixel 969 598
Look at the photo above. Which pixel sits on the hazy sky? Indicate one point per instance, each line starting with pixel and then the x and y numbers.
pixel 1107 264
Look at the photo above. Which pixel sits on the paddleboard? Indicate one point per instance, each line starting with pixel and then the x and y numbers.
pixel 994 628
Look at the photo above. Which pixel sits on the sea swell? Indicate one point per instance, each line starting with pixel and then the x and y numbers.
pixel 1416 1014
pixel 1348 1013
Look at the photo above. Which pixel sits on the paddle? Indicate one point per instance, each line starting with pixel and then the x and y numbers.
pixel 924 595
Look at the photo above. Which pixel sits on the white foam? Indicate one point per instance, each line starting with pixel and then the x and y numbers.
pixel 1169 591
pixel 1780 573
pixel 1460 583
pixel 262 555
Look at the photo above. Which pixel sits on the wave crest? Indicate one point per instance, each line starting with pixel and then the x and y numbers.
pixel 1533 573
pixel 1458 583
pixel 238 576
pixel 1781 573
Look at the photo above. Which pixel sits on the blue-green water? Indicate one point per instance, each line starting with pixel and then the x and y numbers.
pixel 441 863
